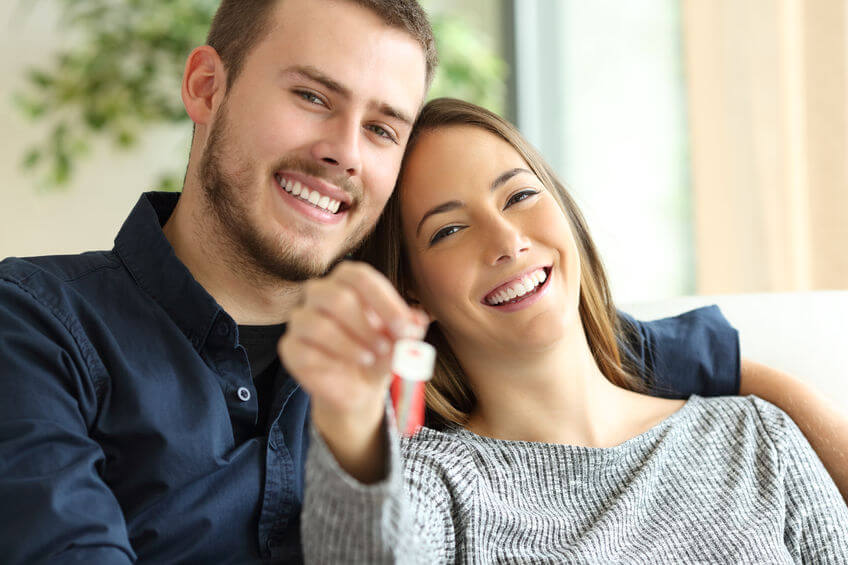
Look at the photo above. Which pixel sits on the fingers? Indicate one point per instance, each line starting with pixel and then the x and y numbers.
pixel 348 319
pixel 346 387
pixel 365 305
pixel 317 330
pixel 422 318
pixel 328 303
pixel 338 346
pixel 387 311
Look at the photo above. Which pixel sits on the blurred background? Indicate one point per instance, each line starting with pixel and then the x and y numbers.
pixel 705 140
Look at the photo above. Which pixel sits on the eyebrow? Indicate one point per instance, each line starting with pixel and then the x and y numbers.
pixel 454 204
pixel 392 112
pixel 311 73
pixel 506 175
pixel 441 208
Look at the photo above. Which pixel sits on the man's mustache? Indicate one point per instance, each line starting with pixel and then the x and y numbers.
pixel 314 169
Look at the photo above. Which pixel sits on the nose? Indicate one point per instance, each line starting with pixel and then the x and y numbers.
pixel 338 146
pixel 506 241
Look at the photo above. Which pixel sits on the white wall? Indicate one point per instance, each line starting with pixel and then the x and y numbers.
pixel 88 213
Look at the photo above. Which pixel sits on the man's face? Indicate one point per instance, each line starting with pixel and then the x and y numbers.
pixel 304 151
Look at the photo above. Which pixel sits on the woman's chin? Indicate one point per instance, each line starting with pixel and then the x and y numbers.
pixel 537 337
pixel 545 332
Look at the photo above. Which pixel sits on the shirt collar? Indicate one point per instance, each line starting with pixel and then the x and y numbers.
pixel 148 256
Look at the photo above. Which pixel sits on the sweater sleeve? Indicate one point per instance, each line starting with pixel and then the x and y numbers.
pixel 816 529
pixel 345 521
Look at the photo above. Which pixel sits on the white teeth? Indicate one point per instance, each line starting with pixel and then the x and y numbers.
pixel 526 284
pixel 328 203
pixel 520 289
pixel 312 196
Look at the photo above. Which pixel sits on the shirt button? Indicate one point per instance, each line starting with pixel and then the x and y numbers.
pixel 243 393
pixel 223 330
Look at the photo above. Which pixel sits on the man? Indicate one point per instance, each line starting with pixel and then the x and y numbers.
pixel 145 414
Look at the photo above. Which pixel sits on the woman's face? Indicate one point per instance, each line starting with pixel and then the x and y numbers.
pixel 492 255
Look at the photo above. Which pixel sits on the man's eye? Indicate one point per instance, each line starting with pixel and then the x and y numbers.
pixel 443 233
pixel 519 196
pixel 310 97
pixel 382 132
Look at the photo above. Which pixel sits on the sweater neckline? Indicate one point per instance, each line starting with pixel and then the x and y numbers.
pixel 647 437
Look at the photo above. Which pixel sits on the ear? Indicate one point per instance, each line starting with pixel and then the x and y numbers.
pixel 204 84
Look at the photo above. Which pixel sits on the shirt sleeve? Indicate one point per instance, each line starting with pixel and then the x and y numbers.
pixel 345 521
pixel 54 505
pixel 816 527
pixel 696 352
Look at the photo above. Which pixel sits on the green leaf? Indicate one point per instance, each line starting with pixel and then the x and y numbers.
pixel 125 139
pixel 40 79
pixel 31 159
pixel 170 182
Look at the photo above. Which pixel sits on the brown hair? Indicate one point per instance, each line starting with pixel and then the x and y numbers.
pixel 240 24
pixel 448 396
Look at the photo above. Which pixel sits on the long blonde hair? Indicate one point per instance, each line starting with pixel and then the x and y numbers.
pixel 449 397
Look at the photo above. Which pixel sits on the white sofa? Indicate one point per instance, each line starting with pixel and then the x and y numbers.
pixel 802 333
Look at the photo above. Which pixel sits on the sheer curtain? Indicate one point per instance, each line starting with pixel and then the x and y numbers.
pixel 768 114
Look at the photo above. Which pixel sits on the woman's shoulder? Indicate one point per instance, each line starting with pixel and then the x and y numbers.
pixel 435 460
pixel 749 406
pixel 445 447
pixel 747 413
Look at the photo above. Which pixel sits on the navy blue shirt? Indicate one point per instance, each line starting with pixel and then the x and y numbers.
pixel 124 385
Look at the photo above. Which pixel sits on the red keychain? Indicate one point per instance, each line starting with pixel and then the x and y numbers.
pixel 412 367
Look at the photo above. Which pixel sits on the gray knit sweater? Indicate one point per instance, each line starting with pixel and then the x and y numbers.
pixel 722 480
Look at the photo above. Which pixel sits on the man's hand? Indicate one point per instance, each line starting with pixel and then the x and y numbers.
pixel 338 345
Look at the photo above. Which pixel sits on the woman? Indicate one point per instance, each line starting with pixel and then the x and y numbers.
pixel 540 446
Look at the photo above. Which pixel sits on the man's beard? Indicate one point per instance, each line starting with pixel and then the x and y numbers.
pixel 250 251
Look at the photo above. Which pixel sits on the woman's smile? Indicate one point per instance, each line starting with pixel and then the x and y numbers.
pixel 521 291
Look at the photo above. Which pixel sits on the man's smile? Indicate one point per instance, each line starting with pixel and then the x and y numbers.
pixel 316 199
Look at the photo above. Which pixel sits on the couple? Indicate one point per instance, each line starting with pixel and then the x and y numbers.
pixel 145 414
pixel 542 445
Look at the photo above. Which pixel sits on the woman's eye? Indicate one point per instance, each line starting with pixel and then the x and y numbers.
pixel 519 196
pixel 444 232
